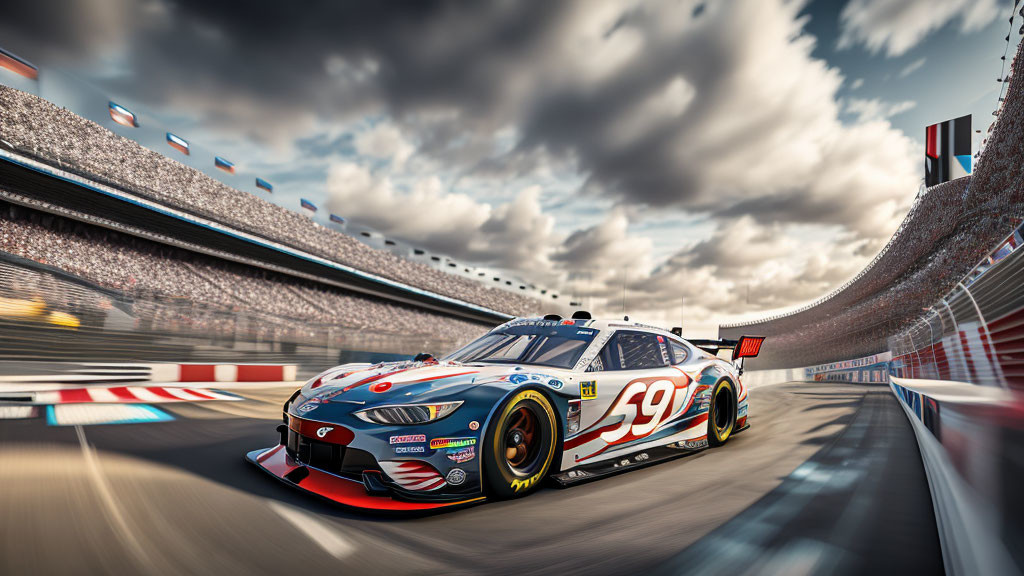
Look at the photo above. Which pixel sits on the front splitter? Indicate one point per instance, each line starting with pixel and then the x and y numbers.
pixel 276 462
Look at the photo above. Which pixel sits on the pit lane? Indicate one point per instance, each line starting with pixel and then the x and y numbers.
pixel 828 476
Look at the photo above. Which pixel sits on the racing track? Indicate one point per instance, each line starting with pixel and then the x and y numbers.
pixel 828 479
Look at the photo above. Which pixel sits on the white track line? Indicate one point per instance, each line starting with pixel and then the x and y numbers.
pixel 319 532
pixel 111 507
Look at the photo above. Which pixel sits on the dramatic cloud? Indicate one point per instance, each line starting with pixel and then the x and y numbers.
pixel 897 26
pixel 453 126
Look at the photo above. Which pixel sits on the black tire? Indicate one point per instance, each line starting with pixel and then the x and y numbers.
pixel 722 413
pixel 520 445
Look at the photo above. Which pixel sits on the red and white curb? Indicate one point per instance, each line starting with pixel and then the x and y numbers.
pixel 222 372
pixel 70 373
pixel 123 395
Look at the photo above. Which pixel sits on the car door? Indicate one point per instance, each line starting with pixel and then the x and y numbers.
pixel 627 392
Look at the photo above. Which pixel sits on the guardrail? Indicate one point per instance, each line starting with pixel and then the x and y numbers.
pixel 971 438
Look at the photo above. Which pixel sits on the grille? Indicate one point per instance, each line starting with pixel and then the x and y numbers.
pixel 333 458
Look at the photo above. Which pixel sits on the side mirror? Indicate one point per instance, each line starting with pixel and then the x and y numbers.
pixel 424 357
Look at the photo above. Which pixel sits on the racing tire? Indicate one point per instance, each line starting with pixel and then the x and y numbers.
pixel 722 413
pixel 520 445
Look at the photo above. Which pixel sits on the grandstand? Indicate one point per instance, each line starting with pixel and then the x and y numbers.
pixel 175 263
pixel 947 232
pixel 40 130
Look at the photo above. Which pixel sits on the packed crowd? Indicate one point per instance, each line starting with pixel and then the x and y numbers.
pixel 51 134
pixel 948 231
pixel 175 290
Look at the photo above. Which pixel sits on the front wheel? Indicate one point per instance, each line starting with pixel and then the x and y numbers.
pixel 520 445
pixel 722 413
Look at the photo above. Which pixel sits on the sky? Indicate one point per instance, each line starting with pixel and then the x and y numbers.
pixel 691 160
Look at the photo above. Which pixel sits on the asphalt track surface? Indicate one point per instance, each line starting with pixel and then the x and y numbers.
pixel 828 479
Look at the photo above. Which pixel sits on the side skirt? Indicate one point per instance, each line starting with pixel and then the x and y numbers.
pixel 637 459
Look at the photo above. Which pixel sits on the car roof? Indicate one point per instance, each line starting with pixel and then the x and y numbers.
pixel 594 323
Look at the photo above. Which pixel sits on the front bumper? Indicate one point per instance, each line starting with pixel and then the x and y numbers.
pixel 276 462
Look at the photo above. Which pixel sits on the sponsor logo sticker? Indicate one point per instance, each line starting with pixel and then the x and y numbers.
pixel 461 455
pixel 410 449
pixel 695 444
pixel 407 439
pixel 456 476
pixel 555 384
pixel 474 425
pixel 323 431
pixel 307 406
pixel 588 390
pixel 439 443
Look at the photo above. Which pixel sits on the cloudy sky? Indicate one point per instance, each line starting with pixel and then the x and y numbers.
pixel 730 157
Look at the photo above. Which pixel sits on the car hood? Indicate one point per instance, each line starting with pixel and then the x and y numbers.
pixel 409 382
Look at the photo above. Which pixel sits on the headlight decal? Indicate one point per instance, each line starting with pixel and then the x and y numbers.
pixel 407 414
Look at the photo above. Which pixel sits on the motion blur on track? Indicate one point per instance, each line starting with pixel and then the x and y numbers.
pixel 309 291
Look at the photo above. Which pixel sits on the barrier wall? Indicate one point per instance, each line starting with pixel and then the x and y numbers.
pixel 971 439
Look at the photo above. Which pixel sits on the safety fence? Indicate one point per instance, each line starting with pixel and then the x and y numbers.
pixel 976 332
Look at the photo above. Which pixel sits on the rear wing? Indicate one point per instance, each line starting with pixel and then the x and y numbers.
pixel 745 347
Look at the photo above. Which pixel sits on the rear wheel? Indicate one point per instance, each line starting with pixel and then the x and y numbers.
pixel 520 445
pixel 722 413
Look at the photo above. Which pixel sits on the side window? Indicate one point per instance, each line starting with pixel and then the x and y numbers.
pixel 680 353
pixel 639 350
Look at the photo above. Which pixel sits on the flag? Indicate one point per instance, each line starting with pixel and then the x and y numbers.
pixel 947 150
pixel 224 164
pixel 261 183
pixel 122 115
pixel 337 219
pixel 308 208
pixel 178 143
pixel 18 65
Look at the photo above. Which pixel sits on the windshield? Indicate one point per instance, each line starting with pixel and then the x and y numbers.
pixel 541 343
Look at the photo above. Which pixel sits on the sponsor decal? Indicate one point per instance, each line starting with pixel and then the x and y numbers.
pixel 461 455
pixel 641 457
pixel 584 332
pixel 555 384
pixel 456 476
pixel 577 474
pixel 588 390
pixel 643 407
pixel 407 439
pixel 379 387
pixel 695 444
pixel 311 404
pixel 742 411
pixel 474 425
pixel 323 431
pixel 410 449
pixel 441 443
pixel 523 484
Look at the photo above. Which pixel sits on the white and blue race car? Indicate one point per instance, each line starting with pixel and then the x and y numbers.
pixel 571 399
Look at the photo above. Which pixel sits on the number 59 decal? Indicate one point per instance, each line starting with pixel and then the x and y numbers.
pixel 643 406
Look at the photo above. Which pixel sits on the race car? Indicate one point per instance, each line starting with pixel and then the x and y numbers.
pixel 570 399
